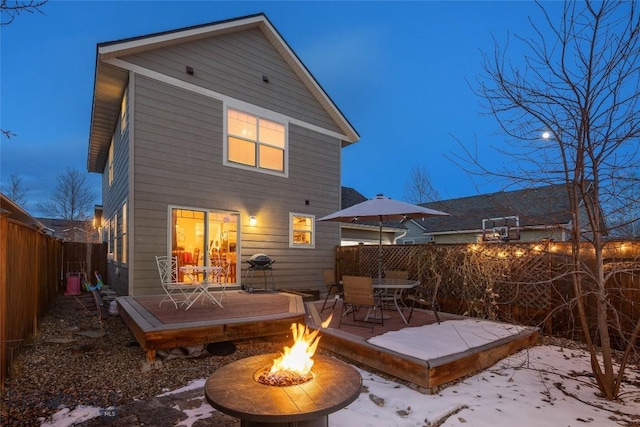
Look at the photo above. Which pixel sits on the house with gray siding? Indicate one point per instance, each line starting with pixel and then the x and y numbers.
pixel 526 215
pixel 215 143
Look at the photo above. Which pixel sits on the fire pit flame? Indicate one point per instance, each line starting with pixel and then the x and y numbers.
pixel 298 358
pixel 295 362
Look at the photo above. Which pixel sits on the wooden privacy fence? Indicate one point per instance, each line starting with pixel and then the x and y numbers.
pixel 90 257
pixel 525 283
pixel 29 278
pixel 33 269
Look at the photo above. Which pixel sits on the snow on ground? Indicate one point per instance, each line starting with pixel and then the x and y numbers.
pixel 542 386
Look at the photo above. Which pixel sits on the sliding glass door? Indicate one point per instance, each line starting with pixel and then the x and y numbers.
pixel 205 237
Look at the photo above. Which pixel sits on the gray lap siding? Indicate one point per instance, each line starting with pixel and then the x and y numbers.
pixel 178 161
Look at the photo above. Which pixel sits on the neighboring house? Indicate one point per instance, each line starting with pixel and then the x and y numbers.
pixel 215 143
pixel 525 215
pixel 72 231
pixel 366 232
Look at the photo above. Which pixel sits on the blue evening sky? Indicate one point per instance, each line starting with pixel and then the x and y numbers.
pixel 399 72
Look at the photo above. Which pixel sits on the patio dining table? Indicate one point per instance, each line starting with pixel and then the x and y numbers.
pixel 397 286
pixel 210 279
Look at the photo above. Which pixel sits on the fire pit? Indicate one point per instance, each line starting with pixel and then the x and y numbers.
pixel 234 390
pixel 313 388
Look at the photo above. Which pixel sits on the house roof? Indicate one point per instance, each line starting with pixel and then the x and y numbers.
pixel 68 230
pixel 542 206
pixel 110 80
pixel 350 197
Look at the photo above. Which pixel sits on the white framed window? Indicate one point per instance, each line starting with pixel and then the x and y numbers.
pixel 301 231
pixel 115 237
pixel 123 112
pixel 255 142
pixel 123 238
pixel 110 240
pixel 110 163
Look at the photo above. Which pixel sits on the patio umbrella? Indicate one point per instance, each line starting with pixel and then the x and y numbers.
pixel 381 209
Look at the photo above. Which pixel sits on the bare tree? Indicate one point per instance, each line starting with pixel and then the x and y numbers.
pixel 15 190
pixel 580 84
pixel 419 189
pixel 71 199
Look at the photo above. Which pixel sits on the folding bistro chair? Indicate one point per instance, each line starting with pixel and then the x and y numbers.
pixel 358 293
pixel 168 270
pixel 425 295
pixel 334 290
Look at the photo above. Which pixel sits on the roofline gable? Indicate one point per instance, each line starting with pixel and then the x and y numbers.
pixel 133 45
pixel 115 49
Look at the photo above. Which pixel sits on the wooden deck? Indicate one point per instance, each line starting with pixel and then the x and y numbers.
pixel 245 315
pixel 262 314
pixel 350 341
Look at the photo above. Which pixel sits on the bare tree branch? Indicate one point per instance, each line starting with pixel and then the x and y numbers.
pixel 9 10
pixel 419 188
pixel 15 190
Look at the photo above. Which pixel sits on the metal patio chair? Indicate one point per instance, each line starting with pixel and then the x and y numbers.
pixel 358 293
pixel 168 271
pixel 425 295
pixel 334 289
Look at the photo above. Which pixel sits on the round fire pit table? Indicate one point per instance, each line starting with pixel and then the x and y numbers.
pixel 235 390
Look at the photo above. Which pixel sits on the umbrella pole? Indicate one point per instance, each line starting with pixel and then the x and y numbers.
pixel 380 252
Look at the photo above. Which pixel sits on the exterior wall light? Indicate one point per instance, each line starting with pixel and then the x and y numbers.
pixel 253 220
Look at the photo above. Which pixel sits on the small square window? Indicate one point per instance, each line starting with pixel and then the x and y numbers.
pixel 302 231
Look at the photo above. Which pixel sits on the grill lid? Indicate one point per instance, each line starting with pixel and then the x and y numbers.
pixel 260 260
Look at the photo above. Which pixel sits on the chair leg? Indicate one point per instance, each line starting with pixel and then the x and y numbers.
pixel 329 293
pixel 325 302
pixel 342 314
pixel 168 297
pixel 432 307
pixel 435 311
pixel 413 304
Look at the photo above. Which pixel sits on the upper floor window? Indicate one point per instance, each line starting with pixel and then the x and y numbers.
pixel 123 112
pixel 110 163
pixel 255 142
pixel 302 230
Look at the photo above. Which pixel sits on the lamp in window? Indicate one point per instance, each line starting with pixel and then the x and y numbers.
pixel 253 220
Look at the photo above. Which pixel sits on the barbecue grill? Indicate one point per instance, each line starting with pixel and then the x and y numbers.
pixel 259 262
